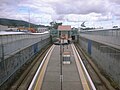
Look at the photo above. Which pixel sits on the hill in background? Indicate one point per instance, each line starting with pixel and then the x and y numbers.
pixel 17 23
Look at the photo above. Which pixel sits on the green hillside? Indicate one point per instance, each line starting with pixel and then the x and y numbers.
pixel 17 23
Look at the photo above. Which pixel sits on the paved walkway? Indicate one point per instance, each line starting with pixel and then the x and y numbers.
pixel 71 79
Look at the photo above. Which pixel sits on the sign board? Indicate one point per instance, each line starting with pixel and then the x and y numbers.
pixel 66 58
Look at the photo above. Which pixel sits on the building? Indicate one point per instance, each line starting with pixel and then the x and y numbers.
pixel 64 31
pixel 3 28
pixel 42 29
pixel 13 29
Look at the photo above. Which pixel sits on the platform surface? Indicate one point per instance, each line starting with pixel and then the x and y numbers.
pixel 71 78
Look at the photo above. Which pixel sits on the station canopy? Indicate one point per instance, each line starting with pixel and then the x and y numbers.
pixel 64 28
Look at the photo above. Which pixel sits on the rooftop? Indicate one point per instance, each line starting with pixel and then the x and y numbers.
pixel 64 28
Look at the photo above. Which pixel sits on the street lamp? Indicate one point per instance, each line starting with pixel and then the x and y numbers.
pixel 61 75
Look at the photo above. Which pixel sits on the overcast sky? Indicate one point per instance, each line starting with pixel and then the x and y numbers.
pixel 94 12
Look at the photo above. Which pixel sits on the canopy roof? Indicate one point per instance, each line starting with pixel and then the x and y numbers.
pixel 64 28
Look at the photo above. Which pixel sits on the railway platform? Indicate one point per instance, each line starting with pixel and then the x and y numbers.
pixel 73 75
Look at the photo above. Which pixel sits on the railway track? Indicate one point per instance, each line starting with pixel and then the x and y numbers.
pixel 101 83
pixel 25 79
pixel 98 79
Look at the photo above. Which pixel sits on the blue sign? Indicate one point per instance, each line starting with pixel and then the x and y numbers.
pixel 36 48
pixel 89 46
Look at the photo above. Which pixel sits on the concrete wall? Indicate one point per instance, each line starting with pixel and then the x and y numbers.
pixel 11 44
pixel 23 50
pixel 110 37
pixel 107 58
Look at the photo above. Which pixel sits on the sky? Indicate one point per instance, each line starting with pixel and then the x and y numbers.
pixel 95 13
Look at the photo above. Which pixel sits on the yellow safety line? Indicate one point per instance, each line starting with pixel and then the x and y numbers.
pixel 42 72
pixel 81 73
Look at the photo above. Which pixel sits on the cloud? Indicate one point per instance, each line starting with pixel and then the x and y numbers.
pixel 80 6
pixel 115 10
pixel 62 10
pixel 114 1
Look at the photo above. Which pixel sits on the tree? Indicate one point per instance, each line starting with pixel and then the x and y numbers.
pixel 55 24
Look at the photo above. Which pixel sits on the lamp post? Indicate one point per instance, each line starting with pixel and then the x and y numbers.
pixel 61 75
